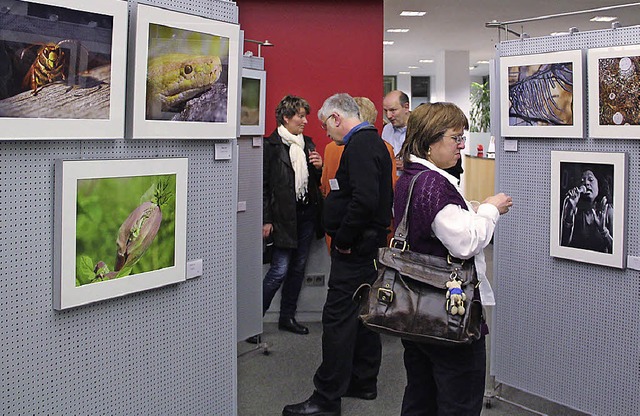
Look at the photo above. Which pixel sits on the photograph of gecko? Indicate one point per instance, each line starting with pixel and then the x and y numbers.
pixel 187 75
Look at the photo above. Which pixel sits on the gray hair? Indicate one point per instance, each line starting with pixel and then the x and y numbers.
pixel 342 104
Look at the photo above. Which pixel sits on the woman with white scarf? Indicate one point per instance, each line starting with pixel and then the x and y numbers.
pixel 291 208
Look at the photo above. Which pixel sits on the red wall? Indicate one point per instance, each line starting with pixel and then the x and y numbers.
pixel 321 47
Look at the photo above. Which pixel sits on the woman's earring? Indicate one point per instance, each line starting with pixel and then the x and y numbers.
pixel 429 152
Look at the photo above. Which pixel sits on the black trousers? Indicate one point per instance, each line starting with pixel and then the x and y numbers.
pixel 443 380
pixel 351 353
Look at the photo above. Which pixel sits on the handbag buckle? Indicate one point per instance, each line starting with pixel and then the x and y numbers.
pixel 394 244
pixel 450 260
pixel 385 295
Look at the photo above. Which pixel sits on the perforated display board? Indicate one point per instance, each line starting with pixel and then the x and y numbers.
pixel 563 330
pixel 170 350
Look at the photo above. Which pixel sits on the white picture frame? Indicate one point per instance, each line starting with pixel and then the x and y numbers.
pixel 85 99
pixel 539 85
pixel 105 211
pixel 253 102
pixel 161 39
pixel 614 78
pixel 577 236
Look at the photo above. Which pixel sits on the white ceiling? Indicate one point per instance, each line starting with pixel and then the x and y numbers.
pixel 460 25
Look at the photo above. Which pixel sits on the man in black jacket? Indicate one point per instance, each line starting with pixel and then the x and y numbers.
pixel 357 212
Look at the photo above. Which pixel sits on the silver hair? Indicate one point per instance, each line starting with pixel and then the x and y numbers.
pixel 342 104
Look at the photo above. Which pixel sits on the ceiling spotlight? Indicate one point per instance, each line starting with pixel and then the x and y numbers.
pixel 573 30
pixel 397 30
pixel 387 42
pixel 412 13
pixel 603 19
pixel 615 25
pixel 426 61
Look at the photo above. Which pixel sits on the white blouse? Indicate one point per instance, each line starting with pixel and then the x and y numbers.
pixel 465 233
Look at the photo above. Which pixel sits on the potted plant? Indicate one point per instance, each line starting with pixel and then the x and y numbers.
pixel 480 107
pixel 479 118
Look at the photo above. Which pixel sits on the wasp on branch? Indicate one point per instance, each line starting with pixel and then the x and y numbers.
pixel 48 66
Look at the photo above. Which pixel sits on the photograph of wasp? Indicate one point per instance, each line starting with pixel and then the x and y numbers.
pixel 56 60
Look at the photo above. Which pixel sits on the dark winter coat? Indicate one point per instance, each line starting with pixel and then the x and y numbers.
pixel 358 214
pixel 278 192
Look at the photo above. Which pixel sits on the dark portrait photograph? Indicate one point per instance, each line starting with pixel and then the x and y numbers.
pixel 587 203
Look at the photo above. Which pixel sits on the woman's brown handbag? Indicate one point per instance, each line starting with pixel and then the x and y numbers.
pixel 411 298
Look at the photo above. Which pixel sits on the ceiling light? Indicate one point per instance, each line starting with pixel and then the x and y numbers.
pixel 471 68
pixel 412 13
pixel 387 42
pixel 426 61
pixel 413 67
pixel 397 30
pixel 404 73
pixel 603 19
pixel 559 33
pixel 482 62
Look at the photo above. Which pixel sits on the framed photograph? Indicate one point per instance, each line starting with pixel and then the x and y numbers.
pixel 63 69
pixel 186 76
pixel 541 95
pixel 614 81
pixel 588 207
pixel 120 228
pixel 252 101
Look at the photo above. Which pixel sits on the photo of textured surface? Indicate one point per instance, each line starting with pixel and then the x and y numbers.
pixel 614 92
pixel 619 93
pixel 542 95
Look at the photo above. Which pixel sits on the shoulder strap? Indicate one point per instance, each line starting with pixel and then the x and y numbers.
pixel 402 230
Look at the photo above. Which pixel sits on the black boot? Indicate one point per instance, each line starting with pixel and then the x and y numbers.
pixel 291 325
pixel 312 407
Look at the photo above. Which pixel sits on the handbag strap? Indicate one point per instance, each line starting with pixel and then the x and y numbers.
pixel 401 234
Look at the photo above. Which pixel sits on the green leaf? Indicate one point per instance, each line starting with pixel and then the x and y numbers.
pixel 84 270
pixel 148 194
pixel 125 271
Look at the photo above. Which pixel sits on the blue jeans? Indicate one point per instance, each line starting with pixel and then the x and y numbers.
pixel 287 268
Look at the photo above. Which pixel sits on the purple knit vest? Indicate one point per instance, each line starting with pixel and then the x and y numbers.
pixel 431 193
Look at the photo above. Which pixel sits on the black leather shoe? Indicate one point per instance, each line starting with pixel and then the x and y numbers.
pixel 291 325
pixel 312 408
pixel 254 339
pixel 361 394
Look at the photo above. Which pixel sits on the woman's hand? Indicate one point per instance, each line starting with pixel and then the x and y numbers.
pixel 572 197
pixel 315 159
pixel 501 201
pixel 267 229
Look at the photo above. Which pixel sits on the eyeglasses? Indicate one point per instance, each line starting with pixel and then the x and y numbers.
pixel 459 138
pixel 324 123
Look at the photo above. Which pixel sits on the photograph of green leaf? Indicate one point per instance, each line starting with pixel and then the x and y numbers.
pixel 124 226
